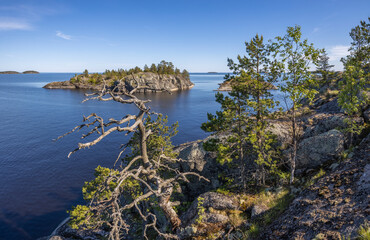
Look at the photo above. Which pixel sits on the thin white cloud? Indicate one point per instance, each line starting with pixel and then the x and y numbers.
pixel 13 25
pixel 316 30
pixel 338 51
pixel 64 36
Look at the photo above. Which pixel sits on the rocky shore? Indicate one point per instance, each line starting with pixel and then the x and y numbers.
pixel 147 82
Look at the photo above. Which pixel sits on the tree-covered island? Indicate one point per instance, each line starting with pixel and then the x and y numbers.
pixel 156 78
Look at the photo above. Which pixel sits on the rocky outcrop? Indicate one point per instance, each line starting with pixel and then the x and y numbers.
pixel 198 160
pixel 321 123
pixel 314 151
pixel 210 214
pixel 227 86
pixel 152 82
pixel 146 81
pixel 61 85
pixel 282 131
pixel 65 232
pixel 334 207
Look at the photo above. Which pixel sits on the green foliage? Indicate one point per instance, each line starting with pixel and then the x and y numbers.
pixel 201 210
pixel 232 117
pixel 351 96
pixel 296 55
pixel 318 175
pixel 364 232
pixel 253 231
pixel 298 83
pixel 105 184
pixel 159 142
pixel 257 72
pixel 92 189
pixel 245 111
pixel 360 47
pixel 81 216
pixel 185 74
pixel 162 68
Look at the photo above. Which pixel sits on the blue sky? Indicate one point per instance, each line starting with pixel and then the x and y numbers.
pixel 199 35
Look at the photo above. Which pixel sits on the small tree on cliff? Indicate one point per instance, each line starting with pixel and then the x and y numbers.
pixel 360 47
pixel 145 181
pixel 258 72
pixel 231 120
pixel 246 111
pixel 351 97
pixel 356 75
pixel 298 82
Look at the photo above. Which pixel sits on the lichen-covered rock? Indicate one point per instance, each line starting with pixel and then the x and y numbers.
pixel 282 130
pixel 323 122
pixel 194 154
pixel 211 213
pixel 65 232
pixel 258 209
pixel 196 159
pixel 314 151
pixel 56 238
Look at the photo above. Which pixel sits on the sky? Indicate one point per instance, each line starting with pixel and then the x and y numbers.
pixel 198 35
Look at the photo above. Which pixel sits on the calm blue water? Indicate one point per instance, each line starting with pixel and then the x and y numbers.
pixel 38 183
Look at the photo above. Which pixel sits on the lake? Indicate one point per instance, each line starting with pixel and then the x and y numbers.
pixel 38 183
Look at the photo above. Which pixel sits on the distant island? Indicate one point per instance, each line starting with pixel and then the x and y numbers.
pixel 156 78
pixel 25 72
pixel 212 72
pixel 30 72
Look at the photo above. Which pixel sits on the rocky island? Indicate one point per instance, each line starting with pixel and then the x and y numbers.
pixel 157 78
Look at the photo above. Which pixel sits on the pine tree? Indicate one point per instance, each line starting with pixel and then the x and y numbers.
pixel 245 112
pixel 324 67
pixel 258 73
pixel 232 120
pixel 153 68
pixel 360 47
